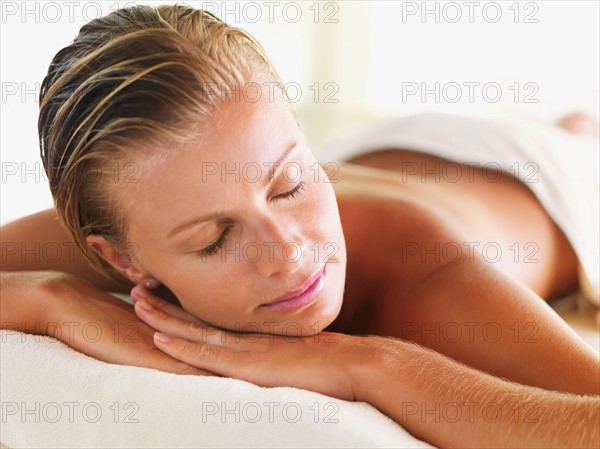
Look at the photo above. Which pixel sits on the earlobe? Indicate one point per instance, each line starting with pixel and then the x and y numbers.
pixel 120 260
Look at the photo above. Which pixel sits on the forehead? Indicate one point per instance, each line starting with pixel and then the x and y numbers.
pixel 224 168
pixel 247 131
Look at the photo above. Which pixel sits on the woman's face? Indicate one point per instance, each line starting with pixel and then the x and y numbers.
pixel 273 243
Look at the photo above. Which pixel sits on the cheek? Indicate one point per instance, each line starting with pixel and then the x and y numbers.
pixel 198 285
pixel 207 302
pixel 327 220
pixel 327 212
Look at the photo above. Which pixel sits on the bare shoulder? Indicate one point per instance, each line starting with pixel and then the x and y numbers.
pixel 394 235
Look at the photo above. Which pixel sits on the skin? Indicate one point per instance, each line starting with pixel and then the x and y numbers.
pixel 268 230
pixel 367 290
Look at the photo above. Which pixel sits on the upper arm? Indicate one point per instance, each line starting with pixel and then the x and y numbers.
pixel 475 313
pixel 418 241
pixel 38 242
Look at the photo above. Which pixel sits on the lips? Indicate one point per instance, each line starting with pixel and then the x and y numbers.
pixel 298 291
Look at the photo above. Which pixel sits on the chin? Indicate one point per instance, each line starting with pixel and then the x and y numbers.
pixel 320 314
pixel 324 309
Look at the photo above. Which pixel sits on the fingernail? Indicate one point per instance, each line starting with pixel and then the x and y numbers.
pixel 144 305
pixel 162 338
pixel 140 291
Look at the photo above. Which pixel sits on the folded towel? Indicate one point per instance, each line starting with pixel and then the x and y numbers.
pixel 560 168
pixel 55 397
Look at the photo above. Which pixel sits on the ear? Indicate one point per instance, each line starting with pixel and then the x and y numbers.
pixel 123 260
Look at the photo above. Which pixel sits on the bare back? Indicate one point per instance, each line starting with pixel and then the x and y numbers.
pixel 502 220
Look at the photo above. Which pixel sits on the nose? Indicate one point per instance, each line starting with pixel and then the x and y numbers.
pixel 282 247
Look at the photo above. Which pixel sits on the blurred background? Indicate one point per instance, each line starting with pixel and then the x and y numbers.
pixel 346 65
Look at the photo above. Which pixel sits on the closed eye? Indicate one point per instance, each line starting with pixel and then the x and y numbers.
pixel 215 247
pixel 292 193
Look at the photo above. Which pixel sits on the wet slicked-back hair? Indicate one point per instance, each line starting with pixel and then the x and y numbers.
pixel 140 77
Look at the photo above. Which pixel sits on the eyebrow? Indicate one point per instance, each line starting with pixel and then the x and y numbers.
pixel 219 214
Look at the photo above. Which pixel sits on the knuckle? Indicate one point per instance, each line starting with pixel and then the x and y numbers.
pixel 197 329
pixel 157 306
pixel 157 303
pixel 193 327
pixel 160 315
pixel 186 346
pixel 206 351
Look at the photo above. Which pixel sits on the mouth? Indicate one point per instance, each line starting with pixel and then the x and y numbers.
pixel 300 298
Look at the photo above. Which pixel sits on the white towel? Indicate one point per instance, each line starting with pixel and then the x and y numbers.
pixel 568 166
pixel 55 397
pixel 130 407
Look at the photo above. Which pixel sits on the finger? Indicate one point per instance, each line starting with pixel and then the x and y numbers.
pixel 140 292
pixel 217 359
pixel 190 330
pixel 164 362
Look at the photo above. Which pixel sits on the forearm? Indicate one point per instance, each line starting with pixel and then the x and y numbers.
pixel 38 242
pixel 24 299
pixel 75 312
pixel 449 404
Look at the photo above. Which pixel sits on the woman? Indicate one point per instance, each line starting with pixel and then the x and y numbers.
pixel 171 174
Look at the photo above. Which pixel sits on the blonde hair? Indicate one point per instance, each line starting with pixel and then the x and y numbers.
pixel 139 77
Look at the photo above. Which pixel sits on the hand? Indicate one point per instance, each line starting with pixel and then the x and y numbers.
pixel 326 363
pixel 104 327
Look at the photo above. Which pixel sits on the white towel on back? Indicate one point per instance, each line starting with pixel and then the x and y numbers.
pixel 563 168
